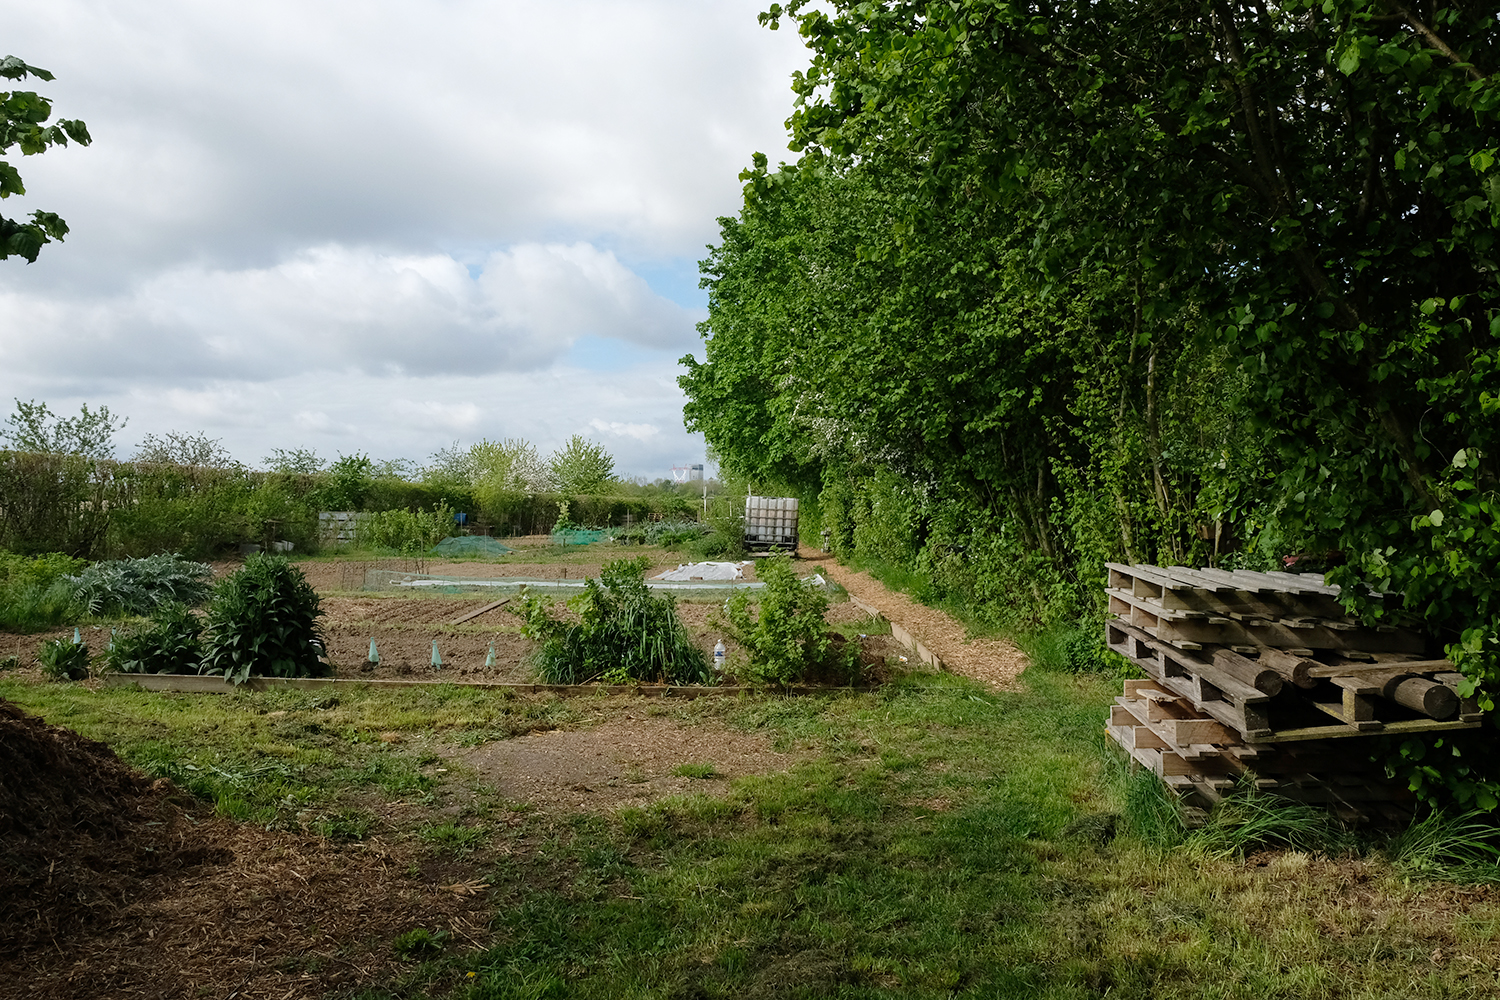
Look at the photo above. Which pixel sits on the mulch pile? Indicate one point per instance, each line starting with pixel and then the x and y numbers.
pixel 112 885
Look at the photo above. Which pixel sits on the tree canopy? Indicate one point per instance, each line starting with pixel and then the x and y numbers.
pixel 1052 283
pixel 23 116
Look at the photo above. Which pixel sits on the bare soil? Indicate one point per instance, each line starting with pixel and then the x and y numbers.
pixel 112 885
pixel 629 760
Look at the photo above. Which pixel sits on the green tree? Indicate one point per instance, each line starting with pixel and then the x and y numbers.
pixel 174 448
pixel 581 467
pixel 302 461
pixel 35 428
pixel 23 115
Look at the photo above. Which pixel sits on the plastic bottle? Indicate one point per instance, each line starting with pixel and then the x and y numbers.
pixel 719 656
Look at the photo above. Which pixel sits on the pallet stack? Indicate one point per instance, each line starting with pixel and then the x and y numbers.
pixel 1261 679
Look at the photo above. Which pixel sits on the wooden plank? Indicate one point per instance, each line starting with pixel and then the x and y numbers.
pixel 1184 732
pixel 1320 670
pixel 475 614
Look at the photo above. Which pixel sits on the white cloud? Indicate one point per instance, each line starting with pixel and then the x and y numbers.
pixel 380 225
pixel 641 432
pixel 343 309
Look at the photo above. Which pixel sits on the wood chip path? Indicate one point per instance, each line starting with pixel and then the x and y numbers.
pixel 996 663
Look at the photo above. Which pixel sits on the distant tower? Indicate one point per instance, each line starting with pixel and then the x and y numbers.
pixel 695 473
pixel 681 473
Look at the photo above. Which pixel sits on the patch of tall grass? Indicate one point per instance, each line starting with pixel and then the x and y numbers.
pixel 35 593
pixel 1447 847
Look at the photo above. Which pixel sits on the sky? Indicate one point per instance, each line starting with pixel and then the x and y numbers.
pixel 383 227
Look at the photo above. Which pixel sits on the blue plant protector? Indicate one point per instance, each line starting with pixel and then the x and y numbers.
pixel 437 658
pixel 76 637
pixel 489 659
pixel 374 653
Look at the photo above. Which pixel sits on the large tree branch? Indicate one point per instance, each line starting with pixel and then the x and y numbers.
pixel 1432 40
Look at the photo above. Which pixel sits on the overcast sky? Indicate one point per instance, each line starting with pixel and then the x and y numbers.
pixel 382 227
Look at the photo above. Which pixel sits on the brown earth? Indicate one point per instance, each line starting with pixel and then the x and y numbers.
pixel 115 886
pixel 629 760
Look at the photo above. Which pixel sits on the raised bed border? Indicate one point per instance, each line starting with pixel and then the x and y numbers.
pixel 195 684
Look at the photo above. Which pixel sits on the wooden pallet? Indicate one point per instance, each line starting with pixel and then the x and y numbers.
pixel 1203 762
pixel 1353 700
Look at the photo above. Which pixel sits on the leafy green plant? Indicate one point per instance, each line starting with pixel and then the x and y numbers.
pixel 786 637
pixel 264 620
pixel 420 943
pixel 623 633
pixel 173 644
pixel 64 660
pixel 9 663
pixel 141 586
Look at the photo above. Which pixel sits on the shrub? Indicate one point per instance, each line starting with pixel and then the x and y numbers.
pixel 64 660
pixel 623 633
pixel 404 530
pixel 172 645
pixel 141 586
pixel 787 639
pixel 263 620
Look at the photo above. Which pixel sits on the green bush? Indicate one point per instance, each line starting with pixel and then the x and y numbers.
pixel 64 660
pixel 263 620
pixel 623 633
pixel 172 645
pixel 141 586
pixel 404 530
pixel 787 639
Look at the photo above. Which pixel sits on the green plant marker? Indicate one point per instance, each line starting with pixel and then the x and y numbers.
pixel 437 658
pixel 489 659
pixel 374 656
pixel 76 637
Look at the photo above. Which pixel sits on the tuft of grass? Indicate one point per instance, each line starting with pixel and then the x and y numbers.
pixel 453 837
pixel 1454 848
pixel 1249 820
pixel 695 771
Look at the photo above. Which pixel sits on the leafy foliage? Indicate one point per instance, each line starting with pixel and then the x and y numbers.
pixel 786 638
pixel 622 633
pixel 1053 284
pixel 23 116
pixel 173 644
pixel 263 620
pixel 142 586
pixel 174 448
pixel 405 530
pixel 35 428
pixel 581 467
pixel 64 660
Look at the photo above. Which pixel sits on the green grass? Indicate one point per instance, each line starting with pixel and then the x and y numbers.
pixel 934 840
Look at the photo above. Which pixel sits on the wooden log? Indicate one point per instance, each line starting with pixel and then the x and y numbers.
pixel 1296 669
pixel 1434 700
pixel 1259 676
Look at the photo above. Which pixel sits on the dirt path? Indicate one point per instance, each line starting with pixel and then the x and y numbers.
pixel 995 662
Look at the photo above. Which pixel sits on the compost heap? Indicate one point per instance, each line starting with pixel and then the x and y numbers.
pixel 80 833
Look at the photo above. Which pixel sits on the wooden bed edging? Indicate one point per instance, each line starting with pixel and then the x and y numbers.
pixel 195 684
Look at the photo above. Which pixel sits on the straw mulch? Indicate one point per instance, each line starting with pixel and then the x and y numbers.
pixel 115 886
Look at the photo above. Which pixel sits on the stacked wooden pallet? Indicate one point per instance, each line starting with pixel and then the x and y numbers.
pixel 1260 679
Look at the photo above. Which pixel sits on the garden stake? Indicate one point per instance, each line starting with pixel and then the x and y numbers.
pixel 437 658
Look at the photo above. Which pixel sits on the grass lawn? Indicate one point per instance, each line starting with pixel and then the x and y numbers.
pixel 937 840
